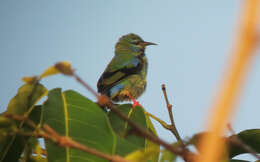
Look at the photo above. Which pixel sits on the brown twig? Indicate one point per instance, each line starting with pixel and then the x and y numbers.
pixel 21 118
pixel 105 101
pixel 237 141
pixel 169 108
pixel 85 85
pixel 64 141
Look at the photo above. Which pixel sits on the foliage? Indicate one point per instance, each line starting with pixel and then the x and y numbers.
pixel 72 115
pixel 75 128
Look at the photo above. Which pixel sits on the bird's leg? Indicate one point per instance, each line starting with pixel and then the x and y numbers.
pixel 135 103
pixel 127 93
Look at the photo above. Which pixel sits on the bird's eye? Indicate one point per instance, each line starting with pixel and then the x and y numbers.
pixel 136 42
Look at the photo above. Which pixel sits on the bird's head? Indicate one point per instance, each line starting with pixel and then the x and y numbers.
pixel 132 44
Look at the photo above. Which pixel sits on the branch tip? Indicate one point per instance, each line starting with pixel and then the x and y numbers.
pixel 163 87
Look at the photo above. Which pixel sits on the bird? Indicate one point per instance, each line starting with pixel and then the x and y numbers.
pixel 124 78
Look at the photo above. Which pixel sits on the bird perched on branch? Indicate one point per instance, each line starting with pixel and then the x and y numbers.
pixel 125 76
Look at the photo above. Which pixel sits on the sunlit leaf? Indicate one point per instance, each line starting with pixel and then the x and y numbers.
pixel 150 145
pixel 167 156
pixel 27 96
pixel 30 80
pixel 60 67
pixel 37 159
pixel 22 104
pixel 49 72
pixel 30 145
pixel 142 155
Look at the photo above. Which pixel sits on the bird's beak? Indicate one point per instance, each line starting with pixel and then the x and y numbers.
pixel 148 43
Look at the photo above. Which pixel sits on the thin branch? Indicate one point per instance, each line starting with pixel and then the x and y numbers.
pixel 237 141
pixel 63 141
pixel 85 85
pixel 105 101
pixel 169 108
pixel 21 118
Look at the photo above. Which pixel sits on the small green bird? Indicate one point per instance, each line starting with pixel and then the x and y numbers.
pixel 125 76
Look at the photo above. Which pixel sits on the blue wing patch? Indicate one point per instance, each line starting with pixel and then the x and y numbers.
pixel 114 90
pixel 134 61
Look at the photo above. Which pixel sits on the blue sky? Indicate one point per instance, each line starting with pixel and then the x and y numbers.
pixel 194 42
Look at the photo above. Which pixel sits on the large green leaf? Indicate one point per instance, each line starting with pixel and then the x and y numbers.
pixel 249 137
pixel 128 141
pixel 22 104
pixel 73 115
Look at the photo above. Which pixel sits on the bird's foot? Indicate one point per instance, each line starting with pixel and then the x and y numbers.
pixel 135 103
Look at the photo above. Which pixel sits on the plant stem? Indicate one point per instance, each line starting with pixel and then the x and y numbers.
pixel 169 108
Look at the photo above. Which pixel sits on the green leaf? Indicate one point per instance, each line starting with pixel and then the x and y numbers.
pixel 7 126
pixel 142 155
pixel 22 104
pixel 36 115
pixel 27 96
pixel 249 137
pixel 6 123
pixel 125 133
pixel 124 147
pixel 73 115
pixel 20 143
pixel 29 148
pixel 32 142
pixel 127 140
pixel 150 145
pixel 167 156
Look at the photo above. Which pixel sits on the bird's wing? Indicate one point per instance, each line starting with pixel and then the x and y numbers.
pixel 120 67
